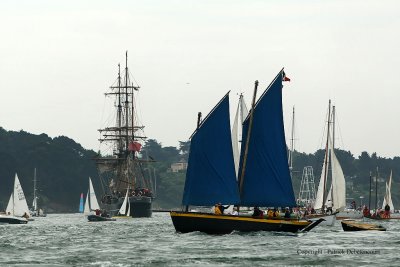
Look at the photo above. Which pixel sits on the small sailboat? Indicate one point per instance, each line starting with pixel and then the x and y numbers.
pixel 125 210
pixel 81 204
pixel 351 225
pixel 264 178
pixel 17 211
pixel 36 211
pixel 91 205
pixel 334 199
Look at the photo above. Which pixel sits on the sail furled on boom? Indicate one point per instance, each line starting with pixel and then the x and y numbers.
pixel 267 180
pixel 210 177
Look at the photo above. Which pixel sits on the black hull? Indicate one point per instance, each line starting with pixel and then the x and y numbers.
pixel 352 227
pixel 186 222
pixel 140 207
pixel 96 218
pixel 12 220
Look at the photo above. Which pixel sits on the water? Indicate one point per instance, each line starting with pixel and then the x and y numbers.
pixel 69 240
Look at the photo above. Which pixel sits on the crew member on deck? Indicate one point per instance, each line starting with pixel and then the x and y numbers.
pixel 257 213
pixel 219 209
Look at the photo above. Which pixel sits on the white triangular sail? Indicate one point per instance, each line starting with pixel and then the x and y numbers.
pixel 17 205
pixel 86 210
pixel 241 114
pixel 338 184
pixel 94 205
pixel 128 212
pixel 122 210
pixel 388 195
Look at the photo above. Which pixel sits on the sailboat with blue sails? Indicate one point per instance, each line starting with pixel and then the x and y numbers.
pixel 264 178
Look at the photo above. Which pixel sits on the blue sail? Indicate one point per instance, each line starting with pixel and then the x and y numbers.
pixel 81 204
pixel 267 180
pixel 210 177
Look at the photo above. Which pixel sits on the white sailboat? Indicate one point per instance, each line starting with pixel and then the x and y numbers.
pixel 36 211
pixel 388 195
pixel 335 200
pixel 125 210
pixel 91 203
pixel 17 210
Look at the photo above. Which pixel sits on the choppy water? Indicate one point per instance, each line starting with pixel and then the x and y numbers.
pixel 69 240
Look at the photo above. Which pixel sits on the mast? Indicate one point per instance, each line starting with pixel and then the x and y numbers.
pixel 291 147
pixel 326 156
pixel 370 189
pixel 34 191
pixel 126 102
pixel 376 189
pixel 246 149
pixel 119 123
pixel 198 125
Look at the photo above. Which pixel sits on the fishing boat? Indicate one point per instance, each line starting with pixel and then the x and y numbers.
pixel 351 225
pixel 335 198
pixel 17 211
pixel 36 211
pixel 119 165
pixel 264 178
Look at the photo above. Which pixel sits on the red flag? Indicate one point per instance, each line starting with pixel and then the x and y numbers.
pixel 134 146
pixel 284 78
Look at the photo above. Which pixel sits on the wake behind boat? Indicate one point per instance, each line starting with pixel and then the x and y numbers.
pixel 264 179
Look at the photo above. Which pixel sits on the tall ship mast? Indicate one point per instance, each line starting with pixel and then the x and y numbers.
pixel 121 168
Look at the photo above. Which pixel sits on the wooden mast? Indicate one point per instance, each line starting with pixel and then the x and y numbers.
pixel 246 148
pixel 326 157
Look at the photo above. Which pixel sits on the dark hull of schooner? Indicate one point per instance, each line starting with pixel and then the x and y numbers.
pixel 141 207
pixel 186 222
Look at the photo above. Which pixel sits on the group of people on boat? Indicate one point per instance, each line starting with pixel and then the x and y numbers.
pixel 271 213
pixel 101 213
pixel 379 213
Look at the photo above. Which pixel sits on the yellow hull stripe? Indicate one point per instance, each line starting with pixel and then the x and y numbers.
pixel 238 218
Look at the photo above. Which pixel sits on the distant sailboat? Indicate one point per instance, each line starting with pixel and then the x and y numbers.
pixel 17 208
pixel 81 204
pixel 36 211
pixel 91 203
pixel 125 210
pixel 388 195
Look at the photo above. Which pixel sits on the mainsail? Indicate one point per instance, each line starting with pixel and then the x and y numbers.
pixel 91 200
pixel 241 114
pixel 388 194
pixel 338 184
pixel 266 180
pixel 321 187
pixel 17 205
pixel 210 177
pixel 124 210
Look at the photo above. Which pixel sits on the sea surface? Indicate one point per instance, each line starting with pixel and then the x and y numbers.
pixel 69 240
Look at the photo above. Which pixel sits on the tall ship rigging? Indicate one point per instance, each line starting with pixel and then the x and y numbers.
pixel 120 165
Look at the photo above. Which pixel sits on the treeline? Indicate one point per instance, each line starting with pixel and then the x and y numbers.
pixel 63 167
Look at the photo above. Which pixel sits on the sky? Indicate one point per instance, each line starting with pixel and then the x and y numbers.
pixel 58 58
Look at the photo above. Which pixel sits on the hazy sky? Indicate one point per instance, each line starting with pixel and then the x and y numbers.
pixel 57 58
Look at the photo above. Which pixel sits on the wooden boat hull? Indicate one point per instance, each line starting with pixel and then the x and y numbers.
pixel 96 218
pixel 12 220
pixel 186 222
pixel 357 226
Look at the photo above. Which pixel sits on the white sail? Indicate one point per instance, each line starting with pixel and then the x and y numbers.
pixel 339 184
pixel 388 195
pixel 86 210
pixel 122 210
pixel 235 141
pixel 321 187
pixel 94 205
pixel 128 213
pixel 241 114
pixel 34 204
pixel 17 205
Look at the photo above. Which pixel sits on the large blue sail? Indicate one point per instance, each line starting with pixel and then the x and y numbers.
pixel 267 180
pixel 210 177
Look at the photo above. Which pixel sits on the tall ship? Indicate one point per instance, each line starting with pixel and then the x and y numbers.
pixel 121 168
